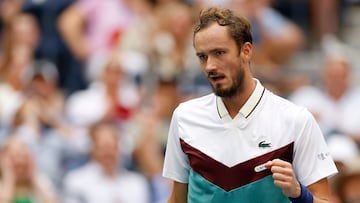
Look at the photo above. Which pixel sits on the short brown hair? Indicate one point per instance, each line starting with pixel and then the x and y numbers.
pixel 239 27
pixel 97 127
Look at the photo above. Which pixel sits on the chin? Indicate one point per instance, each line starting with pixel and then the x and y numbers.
pixel 224 92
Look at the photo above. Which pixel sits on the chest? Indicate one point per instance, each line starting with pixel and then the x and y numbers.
pixel 238 140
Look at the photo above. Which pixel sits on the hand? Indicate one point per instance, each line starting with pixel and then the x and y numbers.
pixel 284 177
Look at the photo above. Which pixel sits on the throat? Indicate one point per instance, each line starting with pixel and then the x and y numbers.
pixel 233 107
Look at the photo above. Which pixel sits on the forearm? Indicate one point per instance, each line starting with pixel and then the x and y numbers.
pixel 71 26
pixel 320 191
pixel 318 200
pixel 179 193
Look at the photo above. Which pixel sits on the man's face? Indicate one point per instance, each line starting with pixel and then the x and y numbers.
pixel 336 78
pixel 220 59
pixel 105 147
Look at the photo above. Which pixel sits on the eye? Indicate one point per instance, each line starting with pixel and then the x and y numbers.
pixel 202 57
pixel 219 53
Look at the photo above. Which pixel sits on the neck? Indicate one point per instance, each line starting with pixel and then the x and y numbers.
pixel 235 103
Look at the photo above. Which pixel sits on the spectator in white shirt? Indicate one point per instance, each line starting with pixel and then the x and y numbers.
pixel 101 179
pixel 334 103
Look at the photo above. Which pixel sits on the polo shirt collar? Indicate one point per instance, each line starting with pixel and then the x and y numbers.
pixel 248 107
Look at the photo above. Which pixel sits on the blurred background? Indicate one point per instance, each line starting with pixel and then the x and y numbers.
pixel 88 87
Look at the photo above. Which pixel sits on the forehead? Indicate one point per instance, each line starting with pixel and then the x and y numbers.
pixel 212 37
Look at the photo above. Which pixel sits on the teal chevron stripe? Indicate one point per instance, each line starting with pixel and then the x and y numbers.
pixel 260 191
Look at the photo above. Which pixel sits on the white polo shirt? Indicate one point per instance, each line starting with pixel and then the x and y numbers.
pixel 217 155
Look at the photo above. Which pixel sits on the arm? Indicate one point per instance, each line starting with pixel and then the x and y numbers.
pixel 71 26
pixel 178 193
pixel 284 177
pixel 7 182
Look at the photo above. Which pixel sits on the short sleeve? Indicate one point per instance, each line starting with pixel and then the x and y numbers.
pixel 176 164
pixel 312 159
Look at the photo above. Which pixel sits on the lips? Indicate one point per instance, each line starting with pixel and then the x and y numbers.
pixel 216 77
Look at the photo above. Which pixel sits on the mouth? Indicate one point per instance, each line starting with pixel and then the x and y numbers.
pixel 216 77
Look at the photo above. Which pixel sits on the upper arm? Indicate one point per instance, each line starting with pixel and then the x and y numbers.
pixel 71 18
pixel 179 193
pixel 320 190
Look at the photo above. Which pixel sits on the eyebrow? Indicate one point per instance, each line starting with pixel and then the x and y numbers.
pixel 213 50
pixel 200 53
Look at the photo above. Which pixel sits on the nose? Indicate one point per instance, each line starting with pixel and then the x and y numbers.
pixel 210 64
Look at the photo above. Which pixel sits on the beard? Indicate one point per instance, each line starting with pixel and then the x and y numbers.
pixel 236 86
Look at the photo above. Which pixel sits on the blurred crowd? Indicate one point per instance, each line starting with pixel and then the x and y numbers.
pixel 88 87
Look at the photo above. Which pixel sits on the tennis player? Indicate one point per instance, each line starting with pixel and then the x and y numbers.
pixel 242 143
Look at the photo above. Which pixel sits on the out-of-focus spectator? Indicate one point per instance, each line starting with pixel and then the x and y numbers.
pixel 276 38
pixel 8 10
pixel 346 184
pixel 20 180
pixel 90 28
pixel 172 41
pixel 22 39
pixel 148 130
pixel 333 102
pixel 111 97
pixel 318 18
pixel 41 124
pixel 103 179
pixel 166 46
pixel 52 47
pixel 42 78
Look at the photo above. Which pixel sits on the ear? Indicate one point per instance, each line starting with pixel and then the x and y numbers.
pixel 246 51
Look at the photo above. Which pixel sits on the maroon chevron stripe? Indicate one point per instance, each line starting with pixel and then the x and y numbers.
pixel 229 178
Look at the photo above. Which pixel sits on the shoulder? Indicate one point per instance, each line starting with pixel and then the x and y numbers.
pixel 286 108
pixel 307 95
pixel 133 179
pixel 80 175
pixel 196 110
pixel 281 102
pixel 197 104
pixel 353 95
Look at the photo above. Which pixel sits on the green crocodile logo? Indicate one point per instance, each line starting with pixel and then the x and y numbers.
pixel 263 144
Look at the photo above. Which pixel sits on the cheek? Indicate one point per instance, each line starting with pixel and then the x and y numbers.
pixel 232 65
